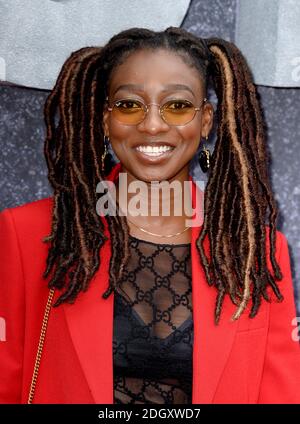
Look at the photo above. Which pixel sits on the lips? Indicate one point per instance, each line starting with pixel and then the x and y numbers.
pixel 154 151
pixel 154 143
pixel 154 155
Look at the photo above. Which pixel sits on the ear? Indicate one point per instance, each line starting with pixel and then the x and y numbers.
pixel 207 119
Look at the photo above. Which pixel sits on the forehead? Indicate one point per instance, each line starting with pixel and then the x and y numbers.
pixel 155 69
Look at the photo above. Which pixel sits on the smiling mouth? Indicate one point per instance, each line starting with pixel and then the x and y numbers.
pixel 153 151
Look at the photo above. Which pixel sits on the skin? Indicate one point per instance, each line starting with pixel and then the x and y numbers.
pixel 153 70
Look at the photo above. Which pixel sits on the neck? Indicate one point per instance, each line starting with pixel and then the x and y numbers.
pixel 162 205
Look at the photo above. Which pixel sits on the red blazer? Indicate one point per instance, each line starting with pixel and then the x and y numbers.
pixel 245 361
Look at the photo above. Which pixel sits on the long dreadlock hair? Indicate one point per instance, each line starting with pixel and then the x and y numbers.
pixel 238 199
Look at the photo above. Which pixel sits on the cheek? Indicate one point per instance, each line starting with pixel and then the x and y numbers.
pixel 118 131
pixel 190 136
pixel 119 135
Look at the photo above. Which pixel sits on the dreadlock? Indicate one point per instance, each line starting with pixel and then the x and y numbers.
pixel 238 198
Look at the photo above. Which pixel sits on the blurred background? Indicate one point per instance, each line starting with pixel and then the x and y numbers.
pixel 35 41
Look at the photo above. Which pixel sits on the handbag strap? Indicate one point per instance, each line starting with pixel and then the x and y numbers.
pixel 40 346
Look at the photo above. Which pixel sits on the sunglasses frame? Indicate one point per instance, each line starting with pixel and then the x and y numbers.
pixel 146 110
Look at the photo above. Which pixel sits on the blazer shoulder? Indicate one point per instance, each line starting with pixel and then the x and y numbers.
pixel 30 216
pixel 280 241
pixel 30 206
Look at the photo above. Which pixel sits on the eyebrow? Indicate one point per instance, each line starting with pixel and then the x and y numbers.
pixel 167 87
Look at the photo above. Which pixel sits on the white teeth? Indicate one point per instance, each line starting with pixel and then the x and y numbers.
pixel 155 150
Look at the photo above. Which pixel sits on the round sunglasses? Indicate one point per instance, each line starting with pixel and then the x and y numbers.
pixel 173 112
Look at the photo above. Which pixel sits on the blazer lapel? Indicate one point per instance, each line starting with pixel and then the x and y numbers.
pixel 212 343
pixel 90 321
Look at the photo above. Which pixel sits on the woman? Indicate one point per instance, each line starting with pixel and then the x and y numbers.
pixel 148 309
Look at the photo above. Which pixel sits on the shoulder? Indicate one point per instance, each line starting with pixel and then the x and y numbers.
pixel 281 253
pixel 36 213
pixel 27 223
pixel 280 239
pixel 27 209
pixel 282 256
pixel 283 314
pixel 275 313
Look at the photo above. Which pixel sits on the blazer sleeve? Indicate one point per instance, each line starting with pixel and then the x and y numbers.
pixel 281 373
pixel 11 311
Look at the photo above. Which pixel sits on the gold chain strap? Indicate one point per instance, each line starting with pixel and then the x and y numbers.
pixel 40 346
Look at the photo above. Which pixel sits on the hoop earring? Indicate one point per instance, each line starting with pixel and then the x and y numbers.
pixel 204 158
pixel 103 156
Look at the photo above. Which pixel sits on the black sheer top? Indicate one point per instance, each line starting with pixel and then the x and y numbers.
pixel 153 326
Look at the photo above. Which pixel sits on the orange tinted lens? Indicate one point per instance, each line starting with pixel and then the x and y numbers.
pixel 128 111
pixel 178 112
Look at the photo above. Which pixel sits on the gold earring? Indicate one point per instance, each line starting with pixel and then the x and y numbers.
pixel 204 158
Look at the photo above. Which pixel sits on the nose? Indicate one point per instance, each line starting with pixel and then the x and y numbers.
pixel 153 123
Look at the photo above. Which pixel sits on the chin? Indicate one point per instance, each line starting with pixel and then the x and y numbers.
pixel 149 175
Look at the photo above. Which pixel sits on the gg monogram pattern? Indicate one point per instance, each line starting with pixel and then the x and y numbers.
pixel 153 326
